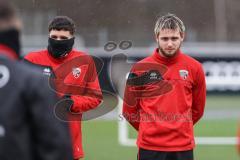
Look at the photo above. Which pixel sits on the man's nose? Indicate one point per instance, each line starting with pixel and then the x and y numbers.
pixel 169 43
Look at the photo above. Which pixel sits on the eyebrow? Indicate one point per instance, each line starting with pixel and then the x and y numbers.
pixel 61 37
pixel 173 37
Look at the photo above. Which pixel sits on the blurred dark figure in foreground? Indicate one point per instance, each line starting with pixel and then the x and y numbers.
pixel 28 128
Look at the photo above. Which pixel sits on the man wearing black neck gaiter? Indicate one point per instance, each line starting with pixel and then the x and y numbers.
pixel 74 75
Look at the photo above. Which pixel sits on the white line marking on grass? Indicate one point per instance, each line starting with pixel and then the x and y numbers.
pixel 123 137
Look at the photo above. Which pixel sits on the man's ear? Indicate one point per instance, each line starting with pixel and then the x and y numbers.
pixel 156 37
pixel 182 34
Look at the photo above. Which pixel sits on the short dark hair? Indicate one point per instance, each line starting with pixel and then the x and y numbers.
pixel 62 23
pixel 7 10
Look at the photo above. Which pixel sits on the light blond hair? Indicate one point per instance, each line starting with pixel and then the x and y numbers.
pixel 169 21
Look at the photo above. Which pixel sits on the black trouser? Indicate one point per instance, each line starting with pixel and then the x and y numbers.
pixel 144 154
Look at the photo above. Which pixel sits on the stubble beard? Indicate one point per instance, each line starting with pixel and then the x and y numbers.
pixel 165 54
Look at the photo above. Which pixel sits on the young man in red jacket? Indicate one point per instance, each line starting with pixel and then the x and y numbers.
pixel 165 96
pixel 74 75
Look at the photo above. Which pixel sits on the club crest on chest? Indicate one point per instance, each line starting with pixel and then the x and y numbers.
pixel 183 74
pixel 76 72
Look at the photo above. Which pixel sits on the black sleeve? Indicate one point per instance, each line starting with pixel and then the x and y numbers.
pixel 51 138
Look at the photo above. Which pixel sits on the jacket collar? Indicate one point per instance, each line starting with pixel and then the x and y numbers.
pixel 60 60
pixel 8 52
